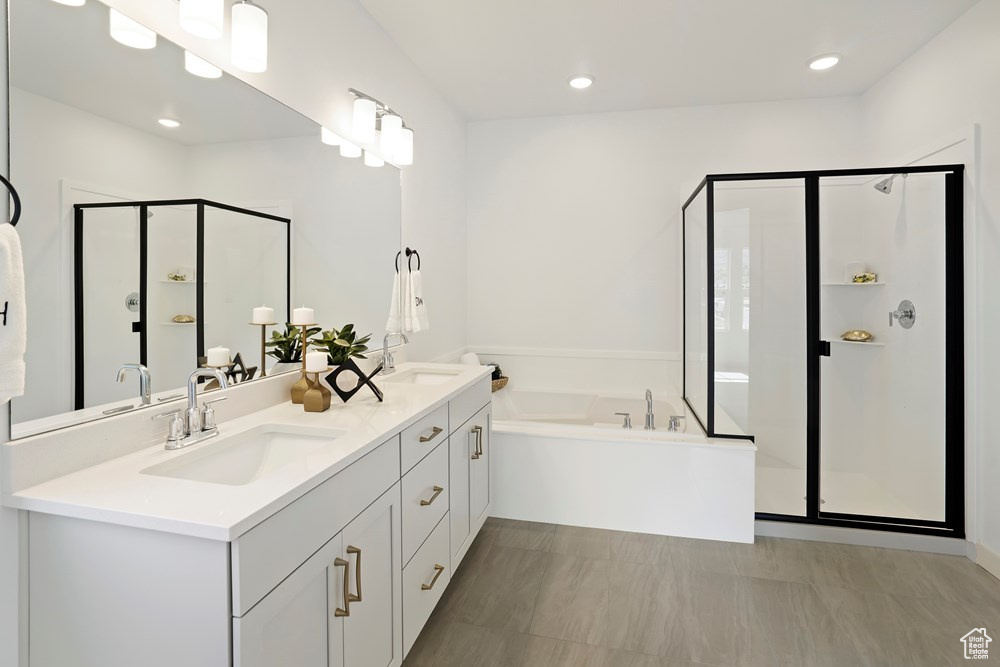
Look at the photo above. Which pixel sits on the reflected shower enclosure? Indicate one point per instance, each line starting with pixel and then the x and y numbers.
pixel 823 319
pixel 157 282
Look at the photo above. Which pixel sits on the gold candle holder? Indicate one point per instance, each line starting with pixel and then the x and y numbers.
pixel 303 384
pixel 317 397
pixel 263 339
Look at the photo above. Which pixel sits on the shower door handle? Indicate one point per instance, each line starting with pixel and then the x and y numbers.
pixel 824 348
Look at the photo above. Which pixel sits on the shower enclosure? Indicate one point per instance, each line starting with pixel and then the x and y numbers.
pixel 823 320
pixel 156 282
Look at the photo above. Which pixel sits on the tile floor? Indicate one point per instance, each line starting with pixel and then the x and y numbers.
pixel 539 595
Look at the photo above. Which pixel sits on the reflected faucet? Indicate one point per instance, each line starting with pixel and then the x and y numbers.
pixel 650 425
pixel 388 366
pixel 145 390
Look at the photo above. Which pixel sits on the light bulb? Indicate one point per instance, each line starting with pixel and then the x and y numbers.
pixel 581 81
pixel 203 18
pixel 131 33
pixel 392 125
pixel 363 126
pixel 72 3
pixel 169 122
pixel 195 65
pixel 248 43
pixel 824 62
pixel 373 160
pixel 347 149
pixel 404 151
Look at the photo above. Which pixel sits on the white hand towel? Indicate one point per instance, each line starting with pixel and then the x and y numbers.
pixel 419 305
pixel 13 319
pixel 410 323
pixel 394 320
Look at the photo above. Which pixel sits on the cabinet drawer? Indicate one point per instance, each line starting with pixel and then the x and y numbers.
pixel 265 554
pixel 420 589
pixel 420 438
pixel 423 503
pixel 465 405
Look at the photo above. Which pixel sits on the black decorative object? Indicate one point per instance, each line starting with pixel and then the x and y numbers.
pixel 350 367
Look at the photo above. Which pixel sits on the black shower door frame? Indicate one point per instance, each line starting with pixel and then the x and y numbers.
pixel 954 521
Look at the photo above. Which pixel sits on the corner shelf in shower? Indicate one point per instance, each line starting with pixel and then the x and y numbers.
pixel 837 341
pixel 875 284
pixel 176 324
pixel 179 282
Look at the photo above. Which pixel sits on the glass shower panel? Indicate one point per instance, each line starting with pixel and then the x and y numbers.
pixel 760 377
pixel 696 306
pixel 883 401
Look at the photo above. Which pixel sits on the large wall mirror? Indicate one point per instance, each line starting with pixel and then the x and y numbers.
pixel 147 242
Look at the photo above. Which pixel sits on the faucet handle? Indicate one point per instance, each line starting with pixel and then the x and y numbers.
pixel 208 414
pixel 628 419
pixel 164 415
pixel 215 400
pixel 175 429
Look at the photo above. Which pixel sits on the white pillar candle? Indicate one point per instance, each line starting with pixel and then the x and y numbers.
pixel 303 315
pixel 315 362
pixel 217 356
pixel 263 315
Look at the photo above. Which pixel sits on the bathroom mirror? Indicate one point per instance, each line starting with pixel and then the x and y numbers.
pixel 161 207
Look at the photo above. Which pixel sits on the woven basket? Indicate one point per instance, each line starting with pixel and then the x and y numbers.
pixel 500 384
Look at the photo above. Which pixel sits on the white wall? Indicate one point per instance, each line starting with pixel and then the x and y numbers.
pixel 945 88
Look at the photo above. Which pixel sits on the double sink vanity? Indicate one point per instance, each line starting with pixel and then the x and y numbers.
pixel 292 538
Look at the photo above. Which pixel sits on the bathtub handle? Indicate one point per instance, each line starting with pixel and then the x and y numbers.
pixel 435 432
pixel 478 432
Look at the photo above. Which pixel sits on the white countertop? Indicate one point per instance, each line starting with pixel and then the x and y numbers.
pixel 118 492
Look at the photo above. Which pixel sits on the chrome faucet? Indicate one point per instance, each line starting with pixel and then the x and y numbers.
pixel 145 390
pixel 388 366
pixel 196 424
pixel 650 425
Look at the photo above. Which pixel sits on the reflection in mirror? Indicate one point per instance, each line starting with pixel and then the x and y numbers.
pixel 116 269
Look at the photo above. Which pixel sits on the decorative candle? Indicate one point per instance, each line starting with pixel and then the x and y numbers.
pixel 303 315
pixel 217 356
pixel 315 362
pixel 263 315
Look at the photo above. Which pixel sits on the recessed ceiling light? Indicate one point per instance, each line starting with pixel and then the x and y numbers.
pixel 169 122
pixel 825 61
pixel 581 81
pixel 72 3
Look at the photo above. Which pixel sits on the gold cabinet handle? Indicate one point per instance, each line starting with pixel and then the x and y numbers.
pixel 346 611
pixel 437 492
pixel 357 572
pixel 438 569
pixel 435 432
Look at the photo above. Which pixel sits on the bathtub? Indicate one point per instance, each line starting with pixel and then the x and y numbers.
pixel 563 457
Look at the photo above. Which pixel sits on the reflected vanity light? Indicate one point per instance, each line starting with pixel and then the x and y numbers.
pixel 373 160
pixel 199 67
pixel 248 43
pixel 131 33
pixel 347 149
pixel 203 18
pixel 392 127
pixel 373 118
pixel 404 152
pixel 169 122
pixel 329 137
pixel 71 3
pixel 363 125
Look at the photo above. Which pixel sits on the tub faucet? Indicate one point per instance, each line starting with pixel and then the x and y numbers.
pixel 388 366
pixel 650 425
pixel 144 383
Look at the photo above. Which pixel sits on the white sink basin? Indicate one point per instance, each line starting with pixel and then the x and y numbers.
pixel 246 457
pixel 424 376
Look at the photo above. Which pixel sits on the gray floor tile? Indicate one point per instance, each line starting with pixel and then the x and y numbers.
pixel 525 535
pixel 475 646
pixel 573 600
pixel 504 591
pixel 637 547
pixel 547 652
pixel 700 555
pixel 934 576
pixel 465 575
pixel 617 658
pixel 424 651
pixel 586 542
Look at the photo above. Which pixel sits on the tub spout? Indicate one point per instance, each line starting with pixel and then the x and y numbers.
pixel 650 421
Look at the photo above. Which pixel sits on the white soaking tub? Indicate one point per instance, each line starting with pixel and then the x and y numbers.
pixel 564 458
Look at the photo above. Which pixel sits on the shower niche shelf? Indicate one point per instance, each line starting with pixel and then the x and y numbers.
pixel 856 343
pixel 875 284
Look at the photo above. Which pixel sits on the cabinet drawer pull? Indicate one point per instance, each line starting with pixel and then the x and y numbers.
pixel 437 492
pixel 475 446
pixel 478 430
pixel 438 569
pixel 435 432
pixel 357 572
pixel 346 611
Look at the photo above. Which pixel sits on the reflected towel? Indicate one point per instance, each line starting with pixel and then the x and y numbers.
pixel 419 304
pixel 13 320
pixel 394 322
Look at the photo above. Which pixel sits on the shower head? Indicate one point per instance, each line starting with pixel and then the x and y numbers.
pixel 885 186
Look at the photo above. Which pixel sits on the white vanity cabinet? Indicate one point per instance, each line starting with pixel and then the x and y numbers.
pixel 469 464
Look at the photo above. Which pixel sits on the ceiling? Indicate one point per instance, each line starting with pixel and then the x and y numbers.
pixel 66 54
pixel 512 58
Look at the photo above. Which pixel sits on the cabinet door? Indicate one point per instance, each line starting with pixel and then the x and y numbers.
pixel 460 448
pixel 373 546
pixel 479 476
pixel 296 623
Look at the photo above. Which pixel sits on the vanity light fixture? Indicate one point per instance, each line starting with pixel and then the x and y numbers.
pixel 373 160
pixel 329 137
pixel 347 149
pixel 199 67
pixel 392 127
pixel 72 3
pixel 824 62
pixel 365 120
pixel 581 81
pixel 248 43
pixel 131 33
pixel 374 119
pixel 203 18
pixel 169 122
pixel 404 152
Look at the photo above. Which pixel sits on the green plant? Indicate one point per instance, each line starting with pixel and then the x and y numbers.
pixel 341 345
pixel 287 347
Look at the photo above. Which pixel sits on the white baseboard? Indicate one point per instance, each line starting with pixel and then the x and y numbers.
pixel 988 559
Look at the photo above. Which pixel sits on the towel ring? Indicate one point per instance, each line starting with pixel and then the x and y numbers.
pixel 410 255
pixel 17 203
pixel 397 260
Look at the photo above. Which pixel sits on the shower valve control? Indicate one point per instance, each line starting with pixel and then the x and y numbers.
pixel 906 313
pixel 628 419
